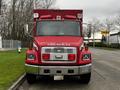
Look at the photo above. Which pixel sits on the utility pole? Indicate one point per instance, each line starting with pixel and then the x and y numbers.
pixel 108 35
pixel 0 18
pixel 13 18
pixel 93 36
pixel 0 6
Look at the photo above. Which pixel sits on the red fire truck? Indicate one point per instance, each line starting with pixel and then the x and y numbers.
pixel 58 46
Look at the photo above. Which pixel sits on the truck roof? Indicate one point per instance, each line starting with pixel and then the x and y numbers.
pixel 58 13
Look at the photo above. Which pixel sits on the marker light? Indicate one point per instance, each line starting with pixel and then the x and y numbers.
pixel 58 17
pixel 79 15
pixel 71 57
pixel 46 56
pixel 36 15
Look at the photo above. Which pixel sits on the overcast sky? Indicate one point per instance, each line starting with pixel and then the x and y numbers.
pixel 92 8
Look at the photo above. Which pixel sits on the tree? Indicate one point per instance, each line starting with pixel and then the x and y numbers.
pixel 16 14
pixel 3 20
pixel 109 25
pixel 44 4
pixel 96 25
pixel 117 22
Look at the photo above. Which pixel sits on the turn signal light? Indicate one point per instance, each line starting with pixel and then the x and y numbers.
pixel 45 56
pixel 71 57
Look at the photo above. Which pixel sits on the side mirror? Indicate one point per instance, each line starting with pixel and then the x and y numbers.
pixel 89 30
pixel 26 28
pixel 26 31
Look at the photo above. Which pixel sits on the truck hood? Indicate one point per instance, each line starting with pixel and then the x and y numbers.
pixel 59 41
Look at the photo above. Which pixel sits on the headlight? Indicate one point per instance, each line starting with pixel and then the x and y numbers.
pixel 86 56
pixel 31 57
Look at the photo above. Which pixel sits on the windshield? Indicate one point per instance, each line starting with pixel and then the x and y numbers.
pixel 58 28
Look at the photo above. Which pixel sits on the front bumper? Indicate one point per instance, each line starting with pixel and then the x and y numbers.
pixel 58 70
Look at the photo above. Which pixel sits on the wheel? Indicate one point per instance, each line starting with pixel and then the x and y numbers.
pixel 85 78
pixel 31 78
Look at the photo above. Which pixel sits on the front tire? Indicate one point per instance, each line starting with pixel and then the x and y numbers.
pixel 85 78
pixel 31 78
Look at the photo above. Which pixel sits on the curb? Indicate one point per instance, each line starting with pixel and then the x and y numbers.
pixel 17 83
pixel 7 49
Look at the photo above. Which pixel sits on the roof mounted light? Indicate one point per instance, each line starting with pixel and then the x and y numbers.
pixel 45 17
pixel 70 16
pixel 79 16
pixel 36 15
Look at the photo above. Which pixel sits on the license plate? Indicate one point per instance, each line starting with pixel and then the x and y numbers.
pixel 58 77
pixel 58 56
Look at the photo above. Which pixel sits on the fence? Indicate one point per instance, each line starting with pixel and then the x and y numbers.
pixel 10 43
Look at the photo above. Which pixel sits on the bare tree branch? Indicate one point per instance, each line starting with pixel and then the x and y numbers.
pixel 16 14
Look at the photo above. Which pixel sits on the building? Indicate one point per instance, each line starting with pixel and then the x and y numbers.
pixel 114 37
pixel 97 36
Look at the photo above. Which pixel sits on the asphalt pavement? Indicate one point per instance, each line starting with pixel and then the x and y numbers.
pixel 105 75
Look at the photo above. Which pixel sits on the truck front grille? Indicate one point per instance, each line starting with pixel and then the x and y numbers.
pixel 58 54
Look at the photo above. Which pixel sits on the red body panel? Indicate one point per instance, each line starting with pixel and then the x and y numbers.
pixel 59 41
pixel 51 14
